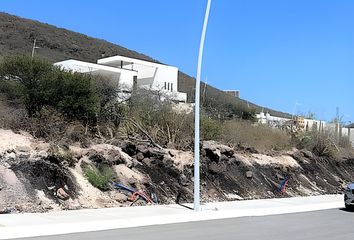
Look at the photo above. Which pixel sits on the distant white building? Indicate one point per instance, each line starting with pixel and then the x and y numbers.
pixel 266 118
pixel 129 71
pixel 234 93
pixel 305 123
pixel 309 125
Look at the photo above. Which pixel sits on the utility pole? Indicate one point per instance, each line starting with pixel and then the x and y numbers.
pixel 338 125
pixel 196 114
pixel 34 47
pixel 204 90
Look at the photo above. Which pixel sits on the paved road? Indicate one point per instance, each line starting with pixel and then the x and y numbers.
pixel 329 224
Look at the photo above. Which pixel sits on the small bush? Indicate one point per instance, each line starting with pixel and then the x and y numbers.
pixel 211 129
pixel 345 143
pixel 11 89
pixel 320 144
pixel 68 157
pixel 11 113
pixel 159 119
pixel 50 124
pixel 99 177
pixel 61 156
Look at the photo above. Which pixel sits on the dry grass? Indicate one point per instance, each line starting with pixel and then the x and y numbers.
pixel 261 137
pixel 326 145
pixel 10 111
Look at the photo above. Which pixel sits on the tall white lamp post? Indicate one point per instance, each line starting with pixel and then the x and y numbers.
pixel 196 116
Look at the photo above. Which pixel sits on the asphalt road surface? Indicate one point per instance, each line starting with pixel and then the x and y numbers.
pixel 330 224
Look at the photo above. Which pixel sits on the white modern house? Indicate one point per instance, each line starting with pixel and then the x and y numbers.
pixel 130 71
pixel 123 77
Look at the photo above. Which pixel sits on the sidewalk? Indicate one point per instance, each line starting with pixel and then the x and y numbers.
pixel 54 223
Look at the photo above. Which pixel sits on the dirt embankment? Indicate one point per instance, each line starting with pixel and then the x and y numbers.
pixel 33 179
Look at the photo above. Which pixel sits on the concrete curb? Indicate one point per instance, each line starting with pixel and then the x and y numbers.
pixel 11 232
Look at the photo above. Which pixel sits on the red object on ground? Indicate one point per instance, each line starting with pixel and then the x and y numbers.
pixel 141 194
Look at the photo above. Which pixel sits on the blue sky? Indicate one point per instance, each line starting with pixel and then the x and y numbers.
pixel 293 56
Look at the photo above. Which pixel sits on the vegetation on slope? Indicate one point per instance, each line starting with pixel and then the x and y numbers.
pixel 66 105
pixel 55 99
pixel 57 44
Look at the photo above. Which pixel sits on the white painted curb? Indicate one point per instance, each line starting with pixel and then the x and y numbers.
pixel 130 222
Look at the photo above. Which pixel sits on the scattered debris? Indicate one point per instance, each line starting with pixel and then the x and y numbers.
pixel 135 195
pixel 61 194
pixel 8 211
pixel 249 174
pixel 283 186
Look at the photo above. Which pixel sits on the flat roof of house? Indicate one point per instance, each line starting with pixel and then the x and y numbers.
pixel 91 67
pixel 118 59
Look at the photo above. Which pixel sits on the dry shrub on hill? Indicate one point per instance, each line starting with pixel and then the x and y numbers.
pixel 149 116
pixel 248 134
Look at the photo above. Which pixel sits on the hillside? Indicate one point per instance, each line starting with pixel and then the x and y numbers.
pixel 57 44
pixel 164 175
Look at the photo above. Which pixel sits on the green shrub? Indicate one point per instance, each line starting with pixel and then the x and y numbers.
pixel 37 83
pixel 12 90
pixel 98 177
pixel 29 77
pixel 55 98
pixel 74 95
pixel 210 129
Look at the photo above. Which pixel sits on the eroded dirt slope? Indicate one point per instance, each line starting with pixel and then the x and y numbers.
pixel 33 179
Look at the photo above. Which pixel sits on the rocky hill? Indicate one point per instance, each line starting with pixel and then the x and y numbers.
pixel 57 44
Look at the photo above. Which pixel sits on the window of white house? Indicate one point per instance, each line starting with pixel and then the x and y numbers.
pixel 168 86
pixel 165 86
pixel 171 87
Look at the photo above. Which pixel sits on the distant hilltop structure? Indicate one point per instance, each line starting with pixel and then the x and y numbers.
pixel 234 93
